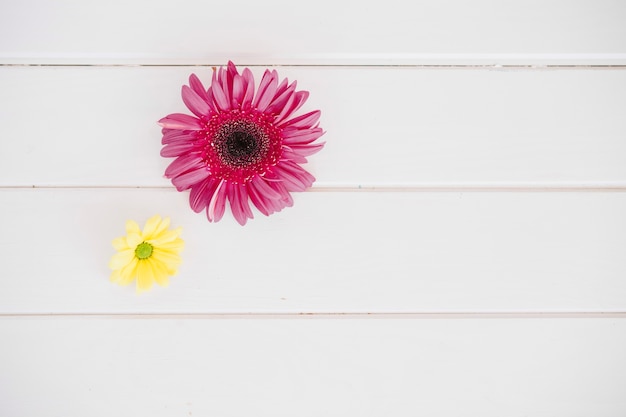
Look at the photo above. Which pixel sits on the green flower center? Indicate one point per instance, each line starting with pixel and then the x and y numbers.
pixel 143 250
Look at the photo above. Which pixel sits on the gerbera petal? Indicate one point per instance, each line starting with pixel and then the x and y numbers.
pixel 283 107
pixel 219 95
pixel 198 88
pixel 121 259
pixel 231 74
pixel 194 102
pixel 243 199
pixel 281 88
pixel 180 121
pixel 275 201
pixel 145 276
pixel 290 181
pixel 307 150
pixel 260 204
pixel 297 172
pixel 264 189
pixel 281 99
pixel 175 135
pixel 266 91
pixel 286 199
pixel 301 137
pixel 307 120
pixel 235 206
pixel 259 200
pixel 216 207
pixel 248 78
pixel 227 85
pixel 184 163
pixel 201 194
pixel 178 148
pixel 231 68
pixel 238 198
pixel 238 92
pixel 186 180
pixel 209 93
pixel 290 155
pixel 265 81
pixel 297 100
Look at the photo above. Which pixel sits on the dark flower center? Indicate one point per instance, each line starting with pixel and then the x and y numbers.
pixel 241 147
pixel 240 144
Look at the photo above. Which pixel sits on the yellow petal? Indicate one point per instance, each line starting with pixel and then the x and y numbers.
pixel 128 273
pixel 159 230
pixel 151 226
pixel 121 259
pixel 133 239
pixel 175 246
pixel 115 276
pixel 132 227
pixel 145 276
pixel 160 272
pixel 169 261
pixel 120 243
pixel 165 224
pixel 166 257
pixel 166 237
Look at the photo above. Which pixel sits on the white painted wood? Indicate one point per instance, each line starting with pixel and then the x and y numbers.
pixel 331 252
pixel 326 31
pixel 238 368
pixel 405 256
pixel 385 126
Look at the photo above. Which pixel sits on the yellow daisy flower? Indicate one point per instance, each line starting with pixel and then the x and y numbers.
pixel 149 255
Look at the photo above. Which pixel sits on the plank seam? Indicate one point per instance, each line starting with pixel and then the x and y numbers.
pixel 496 67
pixel 327 315
pixel 577 188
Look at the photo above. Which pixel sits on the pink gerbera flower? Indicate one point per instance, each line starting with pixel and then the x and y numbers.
pixel 240 146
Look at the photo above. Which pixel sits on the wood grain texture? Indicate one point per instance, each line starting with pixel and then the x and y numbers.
pixel 280 31
pixel 385 126
pixel 442 368
pixel 331 252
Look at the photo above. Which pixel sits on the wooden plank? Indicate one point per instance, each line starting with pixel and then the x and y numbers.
pixel 327 32
pixel 385 126
pixel 161 367
pixel 331 252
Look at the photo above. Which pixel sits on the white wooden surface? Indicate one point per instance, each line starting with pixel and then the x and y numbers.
pixel 331 252
pixel 167 367
pixel 462 250
pixel 325 32
pixel 416 127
